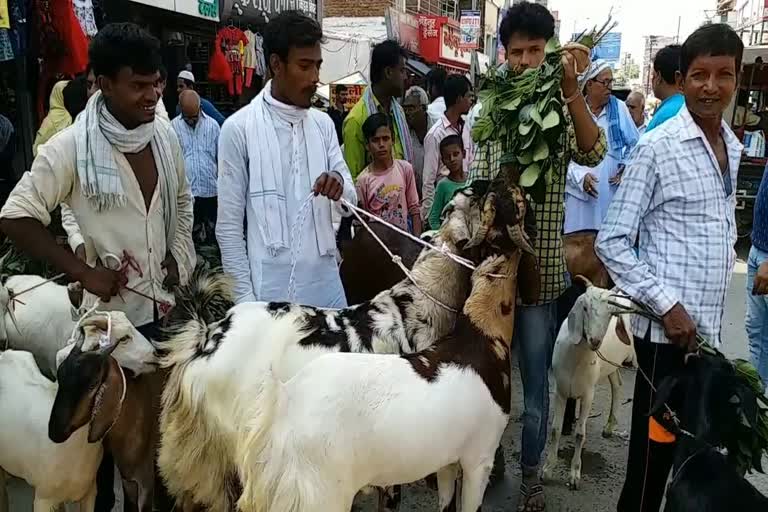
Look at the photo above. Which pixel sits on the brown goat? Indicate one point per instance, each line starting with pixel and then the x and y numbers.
pixel 581 258
pixel 121 410
pixel 366 269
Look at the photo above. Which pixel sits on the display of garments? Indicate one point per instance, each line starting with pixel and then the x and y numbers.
pixel 5 20
pixel 229 39
pixel 249 57
pixel 63 43
pixel 18 33
pixel 84 13
pixel 6 48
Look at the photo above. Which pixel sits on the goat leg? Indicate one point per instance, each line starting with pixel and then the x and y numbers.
pixel 88 503
pixel 554 443
pixel 473 485
pixel 581 437
pixel 446 488
pixel 610 426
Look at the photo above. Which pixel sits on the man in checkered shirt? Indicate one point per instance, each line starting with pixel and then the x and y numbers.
pixel 525 31
pixel 677 193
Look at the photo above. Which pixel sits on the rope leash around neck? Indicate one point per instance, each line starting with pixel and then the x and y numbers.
pixel 397 260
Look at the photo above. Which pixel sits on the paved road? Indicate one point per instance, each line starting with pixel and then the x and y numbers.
pixel 604 460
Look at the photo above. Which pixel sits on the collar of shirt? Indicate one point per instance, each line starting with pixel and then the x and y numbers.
pixel 691 131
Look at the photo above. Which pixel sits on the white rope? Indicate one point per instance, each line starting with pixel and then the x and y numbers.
pixel 397 260
pixel 296 245
pixel 445 251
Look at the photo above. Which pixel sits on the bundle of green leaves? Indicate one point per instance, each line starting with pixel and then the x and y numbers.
pixel 524 112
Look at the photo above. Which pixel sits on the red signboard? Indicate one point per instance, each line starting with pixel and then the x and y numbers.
pixel 403 28
pixel 439 41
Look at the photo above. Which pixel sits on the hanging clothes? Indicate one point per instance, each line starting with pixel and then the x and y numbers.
pixel 6 48
pixel 229 39
pixel 63 44
pixel 84 14
pixel 261 65
pixel 18 33
pixel 249 57
pixel 5 19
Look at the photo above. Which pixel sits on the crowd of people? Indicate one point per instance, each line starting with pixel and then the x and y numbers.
pixel 654 198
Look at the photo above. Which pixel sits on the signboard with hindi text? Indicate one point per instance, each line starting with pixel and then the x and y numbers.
pixel 471 30
pixel 354 93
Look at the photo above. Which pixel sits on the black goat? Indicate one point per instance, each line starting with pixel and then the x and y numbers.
pixel 713 404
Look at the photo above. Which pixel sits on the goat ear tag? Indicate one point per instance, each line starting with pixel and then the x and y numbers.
pixel 104 340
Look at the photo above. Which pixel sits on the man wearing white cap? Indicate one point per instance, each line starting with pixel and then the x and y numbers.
pixel 186 80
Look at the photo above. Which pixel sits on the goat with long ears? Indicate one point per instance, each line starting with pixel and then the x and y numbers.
pixel 120 408
pixel 592 345
pixel 448 403
pixel 404 319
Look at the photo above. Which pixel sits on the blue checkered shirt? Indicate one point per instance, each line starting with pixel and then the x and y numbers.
pixel 200 146
pixel 683 207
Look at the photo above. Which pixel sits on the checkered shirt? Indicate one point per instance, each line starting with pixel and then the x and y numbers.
pixel 675 197
pixel 550 213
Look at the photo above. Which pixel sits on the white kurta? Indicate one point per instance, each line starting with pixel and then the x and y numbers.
pixel 260 276
pixel 582 211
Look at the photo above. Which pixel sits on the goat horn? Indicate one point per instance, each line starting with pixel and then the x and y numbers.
pixel 520 239
pixel 584 280
pixel 487 217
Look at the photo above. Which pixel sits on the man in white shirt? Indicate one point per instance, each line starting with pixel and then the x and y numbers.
pixel 119 167
pixel 458 98
pixel 272 154
pixel 677 193
pixel 436 87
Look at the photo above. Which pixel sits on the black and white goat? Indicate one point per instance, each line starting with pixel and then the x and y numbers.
pixel 712 404
pixel 312 443
pixel 404 319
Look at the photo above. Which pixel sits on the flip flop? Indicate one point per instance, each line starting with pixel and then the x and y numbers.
pixel 527 494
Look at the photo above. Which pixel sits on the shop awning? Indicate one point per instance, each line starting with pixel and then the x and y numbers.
pixel 418 67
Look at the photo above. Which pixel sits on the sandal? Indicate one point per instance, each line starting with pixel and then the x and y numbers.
pixel 531 498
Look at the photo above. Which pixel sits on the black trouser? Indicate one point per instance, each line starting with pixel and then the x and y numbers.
pixel 649 462
pixel 105 476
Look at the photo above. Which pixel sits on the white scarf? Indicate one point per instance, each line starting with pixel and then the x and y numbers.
pixel 97 133
pixel 266 188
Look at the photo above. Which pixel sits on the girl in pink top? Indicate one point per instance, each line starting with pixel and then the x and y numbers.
pixel 387 187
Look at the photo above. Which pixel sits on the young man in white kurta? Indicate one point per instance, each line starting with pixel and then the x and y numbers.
pixel 309 156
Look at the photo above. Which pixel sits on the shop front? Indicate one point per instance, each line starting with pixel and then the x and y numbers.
pixel 440 44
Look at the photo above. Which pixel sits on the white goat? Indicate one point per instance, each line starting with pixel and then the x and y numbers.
pixel 311 444
pixel 43 326
pixel 58 472
pixel 403 319
pixel 577 367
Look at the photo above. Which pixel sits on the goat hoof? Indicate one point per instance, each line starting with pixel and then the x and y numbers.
pixel 546 473
pixel 607 433
pixel 575 481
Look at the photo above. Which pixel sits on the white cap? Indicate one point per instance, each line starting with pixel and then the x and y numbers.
pixel 187 75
